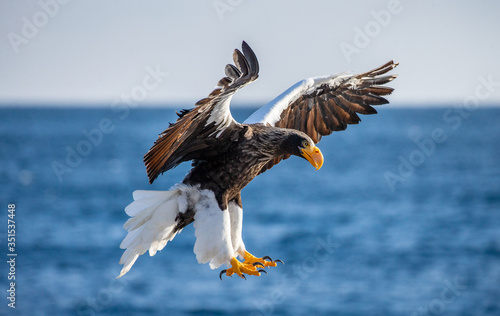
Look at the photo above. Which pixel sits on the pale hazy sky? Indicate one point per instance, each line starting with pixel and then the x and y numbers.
pixel 93 52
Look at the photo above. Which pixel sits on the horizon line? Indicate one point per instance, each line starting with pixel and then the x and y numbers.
pixel 249 104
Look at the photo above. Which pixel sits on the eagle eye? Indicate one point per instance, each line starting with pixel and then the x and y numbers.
pixel 305 144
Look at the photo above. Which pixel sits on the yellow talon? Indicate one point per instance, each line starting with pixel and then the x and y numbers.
pixel 240 269
pixel 250 266
pixel 251 259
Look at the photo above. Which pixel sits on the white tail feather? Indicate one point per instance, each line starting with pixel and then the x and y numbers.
pixel 153 221
pixel 151 224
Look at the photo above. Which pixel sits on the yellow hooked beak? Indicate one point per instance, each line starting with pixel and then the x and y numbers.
pixel 313 155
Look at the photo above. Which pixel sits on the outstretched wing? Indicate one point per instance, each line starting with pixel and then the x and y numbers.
pixel 197 132
pixel 322 105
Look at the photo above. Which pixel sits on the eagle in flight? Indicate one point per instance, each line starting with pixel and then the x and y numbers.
pixel 226 155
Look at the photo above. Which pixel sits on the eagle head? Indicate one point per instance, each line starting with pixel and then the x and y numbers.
pixel 299 144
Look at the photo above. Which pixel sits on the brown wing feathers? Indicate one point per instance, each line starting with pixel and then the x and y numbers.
pixel 329 109
pixel 190 137
pixel 160 157
pixel 333 108
pixel 245 71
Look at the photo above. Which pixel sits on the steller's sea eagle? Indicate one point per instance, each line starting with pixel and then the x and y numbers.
pixel 227 155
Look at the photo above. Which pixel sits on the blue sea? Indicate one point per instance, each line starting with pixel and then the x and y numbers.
pixel 403 219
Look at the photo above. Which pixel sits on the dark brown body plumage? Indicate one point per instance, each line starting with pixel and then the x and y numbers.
pixel 247 149
pixel 251 148
pixel 227 155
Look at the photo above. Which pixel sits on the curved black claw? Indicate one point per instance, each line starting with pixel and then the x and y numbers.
pixel 262 271
pixel 258 264
pixel 243 276
pixel 269 259
pixel 222 272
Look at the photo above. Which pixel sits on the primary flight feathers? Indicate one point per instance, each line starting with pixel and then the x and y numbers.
pixel 316 106
pixel 227 155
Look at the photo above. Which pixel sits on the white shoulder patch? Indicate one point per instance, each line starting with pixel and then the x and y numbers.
pixel 271 112
pixel 221 116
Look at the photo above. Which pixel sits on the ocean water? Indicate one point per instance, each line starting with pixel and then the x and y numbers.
pixel 403 219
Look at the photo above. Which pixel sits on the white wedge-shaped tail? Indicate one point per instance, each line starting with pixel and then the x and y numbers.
pixel 157 216
pixel 152 223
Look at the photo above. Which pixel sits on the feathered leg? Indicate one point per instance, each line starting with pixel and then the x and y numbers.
pixel 251 264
